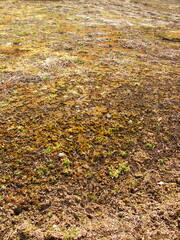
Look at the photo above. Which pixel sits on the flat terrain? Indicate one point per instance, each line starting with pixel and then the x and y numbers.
pixel 89 120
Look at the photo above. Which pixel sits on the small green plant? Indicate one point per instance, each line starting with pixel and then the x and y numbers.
pixel 47 150
pixel 123 168
pixel 110 153
pixel 89 175
pixel 165 170
pixel 9 100
pixel 66 163
pixel 153 118
pixel 123 153
pixel 51 165
pixel 83 51
pixel 17 172
pixel 20 150
pixel 66 166
pixel 3 104
pixel 33 180
pixel 79 61
pixel 42 170
pixel 115 172
pixel 132 183
pixel 116 189
pixel 70 235
pixel 145 40
pixel 149 145
pixel 20 160
pixel 57 146
pixel 46 79
pixel 52 179
pixel 166 138
pixel 33 56
pixel 92 197
pixel 101 139
pixel 24 33
pixel 162 161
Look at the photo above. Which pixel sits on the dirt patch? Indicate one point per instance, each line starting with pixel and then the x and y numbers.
pixel 89 120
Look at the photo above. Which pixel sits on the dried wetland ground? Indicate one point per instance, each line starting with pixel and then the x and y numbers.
pixel 89 120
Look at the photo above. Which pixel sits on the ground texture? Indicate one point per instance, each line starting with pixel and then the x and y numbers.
pixel 89 120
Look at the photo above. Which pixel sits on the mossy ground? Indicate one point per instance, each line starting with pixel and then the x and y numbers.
pixel 89 120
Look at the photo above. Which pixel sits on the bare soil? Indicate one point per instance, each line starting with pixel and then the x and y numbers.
pixel 89 110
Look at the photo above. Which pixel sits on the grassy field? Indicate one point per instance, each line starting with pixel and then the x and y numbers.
pixel 89 120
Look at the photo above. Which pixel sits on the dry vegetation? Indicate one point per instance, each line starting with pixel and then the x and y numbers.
pixel 89 120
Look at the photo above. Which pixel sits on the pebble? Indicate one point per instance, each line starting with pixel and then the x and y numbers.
pixel 160 183
pixel 61 154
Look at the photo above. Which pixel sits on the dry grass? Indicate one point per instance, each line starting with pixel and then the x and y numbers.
pixel 89 120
